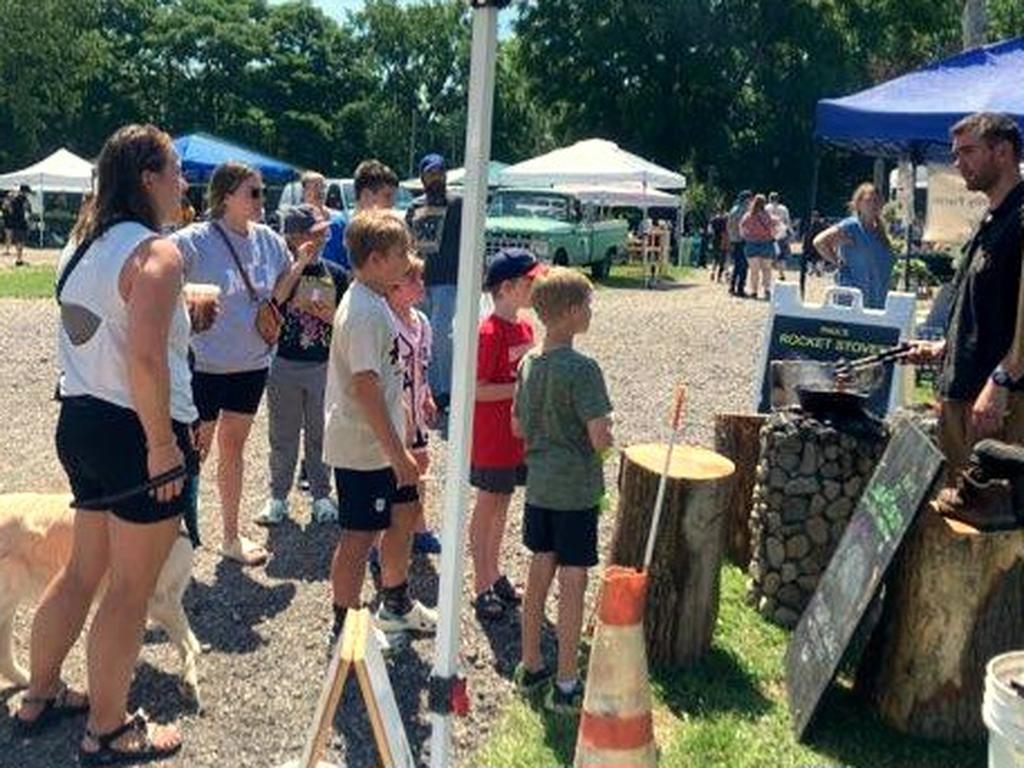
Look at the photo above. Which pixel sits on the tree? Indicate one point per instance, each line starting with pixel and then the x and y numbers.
pixel 1006 19
pixel 47 52
pixel 418 57
pixel 726 83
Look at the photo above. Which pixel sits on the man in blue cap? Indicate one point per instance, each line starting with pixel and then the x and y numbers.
pixel 436 222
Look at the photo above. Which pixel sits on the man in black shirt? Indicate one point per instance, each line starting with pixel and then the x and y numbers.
pixel 436 222
pixel 981 385
pixel 20 210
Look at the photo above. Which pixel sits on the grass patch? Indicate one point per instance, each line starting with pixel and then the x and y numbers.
pixel 632 276
pixel 730 712
pixel 924 393
pixel 29 282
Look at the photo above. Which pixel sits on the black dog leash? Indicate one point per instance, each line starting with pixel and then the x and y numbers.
pixel 105 502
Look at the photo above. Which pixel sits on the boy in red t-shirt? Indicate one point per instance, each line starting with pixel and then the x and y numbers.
pixel 497 460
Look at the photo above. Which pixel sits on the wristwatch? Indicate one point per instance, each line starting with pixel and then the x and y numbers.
pixel 1002 379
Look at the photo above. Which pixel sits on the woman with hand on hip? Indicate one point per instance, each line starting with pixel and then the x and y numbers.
pixel 124 440
pixel 859 246
pixel 251 265
pixel 758 230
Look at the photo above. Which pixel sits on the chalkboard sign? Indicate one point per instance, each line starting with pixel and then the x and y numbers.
pixel 804 338
pixel 902 482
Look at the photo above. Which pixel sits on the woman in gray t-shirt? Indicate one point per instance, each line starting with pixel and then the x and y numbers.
pixel 232 358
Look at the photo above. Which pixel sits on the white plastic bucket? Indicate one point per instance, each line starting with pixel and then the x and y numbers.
pixel 1003 711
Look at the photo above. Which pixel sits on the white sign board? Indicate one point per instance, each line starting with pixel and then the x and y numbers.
pixel 953 211
pixel 839 328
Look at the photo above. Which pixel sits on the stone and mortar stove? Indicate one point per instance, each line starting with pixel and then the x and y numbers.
pixel 812 470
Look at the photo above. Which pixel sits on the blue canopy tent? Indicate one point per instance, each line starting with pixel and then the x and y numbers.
pixel 909 117
pixel 200 153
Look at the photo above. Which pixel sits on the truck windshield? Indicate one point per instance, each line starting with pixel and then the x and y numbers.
pixel 530 204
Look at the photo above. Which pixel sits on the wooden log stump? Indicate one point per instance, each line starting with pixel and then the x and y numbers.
pixel 955 600
pixel 682 600
pixel 738 438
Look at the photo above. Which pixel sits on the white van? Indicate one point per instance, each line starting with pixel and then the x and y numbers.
pixel 341 195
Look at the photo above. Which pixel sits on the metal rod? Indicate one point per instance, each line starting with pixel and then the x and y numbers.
pixel 885 356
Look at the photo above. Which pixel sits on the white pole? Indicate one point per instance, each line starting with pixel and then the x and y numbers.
pixel 456 488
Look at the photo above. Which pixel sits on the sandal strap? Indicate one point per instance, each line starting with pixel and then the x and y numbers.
pixel 60 695
pixel 137 722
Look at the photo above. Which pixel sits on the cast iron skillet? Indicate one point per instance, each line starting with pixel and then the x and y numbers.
pixel 832 402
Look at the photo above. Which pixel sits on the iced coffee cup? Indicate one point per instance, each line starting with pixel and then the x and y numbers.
pixel 203 300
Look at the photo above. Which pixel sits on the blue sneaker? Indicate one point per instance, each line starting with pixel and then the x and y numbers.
pixel 426 543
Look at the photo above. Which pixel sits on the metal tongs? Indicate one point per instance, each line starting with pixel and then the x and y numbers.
pixel 845 369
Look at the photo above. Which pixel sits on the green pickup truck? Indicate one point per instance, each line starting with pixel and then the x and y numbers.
pixel 556 226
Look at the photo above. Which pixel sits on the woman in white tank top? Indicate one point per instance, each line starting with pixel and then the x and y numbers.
pixel 124 440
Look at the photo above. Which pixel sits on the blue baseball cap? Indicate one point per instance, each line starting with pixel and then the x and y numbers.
pixel 432 162
pixel 512 263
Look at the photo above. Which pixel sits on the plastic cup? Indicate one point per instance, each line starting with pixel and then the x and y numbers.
pixel 202 299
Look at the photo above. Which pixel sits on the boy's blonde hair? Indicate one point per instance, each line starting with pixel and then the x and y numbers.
pixel 557 292
pixel 375 231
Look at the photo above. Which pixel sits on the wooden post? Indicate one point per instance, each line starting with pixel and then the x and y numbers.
pixel 682 602
pixel 953 603
pixel 738 438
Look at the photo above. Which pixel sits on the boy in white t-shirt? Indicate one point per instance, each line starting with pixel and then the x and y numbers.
pixel 364 432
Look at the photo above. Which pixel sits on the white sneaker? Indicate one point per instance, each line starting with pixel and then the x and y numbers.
pixel 324 510
pixel 273 512
pixel 418 619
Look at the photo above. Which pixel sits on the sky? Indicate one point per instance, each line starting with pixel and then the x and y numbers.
pixel 339 8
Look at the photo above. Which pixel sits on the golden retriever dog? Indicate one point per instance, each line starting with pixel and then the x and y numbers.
pixel 35 543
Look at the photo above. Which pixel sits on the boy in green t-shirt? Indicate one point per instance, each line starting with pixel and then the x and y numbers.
pixel 563 413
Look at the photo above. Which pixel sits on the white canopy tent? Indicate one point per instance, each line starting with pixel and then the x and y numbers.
pixel 627 194
pixel 63 171
pixel 591 161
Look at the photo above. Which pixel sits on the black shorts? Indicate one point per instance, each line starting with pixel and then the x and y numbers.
pixel 497 479
pixel 365 498
pixel 235 392
pixel 19 236
pixel 102 448
pixel 571 535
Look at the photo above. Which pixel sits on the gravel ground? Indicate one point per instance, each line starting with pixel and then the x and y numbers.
pixel 265 628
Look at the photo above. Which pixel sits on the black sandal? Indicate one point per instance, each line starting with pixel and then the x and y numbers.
pixel 506 592
pixel 489 607
pixel 110 755
pixel 55 709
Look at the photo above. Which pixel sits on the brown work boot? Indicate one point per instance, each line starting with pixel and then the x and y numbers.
pixel 984 504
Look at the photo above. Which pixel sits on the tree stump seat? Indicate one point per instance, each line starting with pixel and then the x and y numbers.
pixel 682 600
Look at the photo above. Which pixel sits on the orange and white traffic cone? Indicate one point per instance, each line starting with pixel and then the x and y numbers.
pixel 616 729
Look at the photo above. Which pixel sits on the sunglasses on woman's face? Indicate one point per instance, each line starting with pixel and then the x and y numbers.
pixel 256 193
